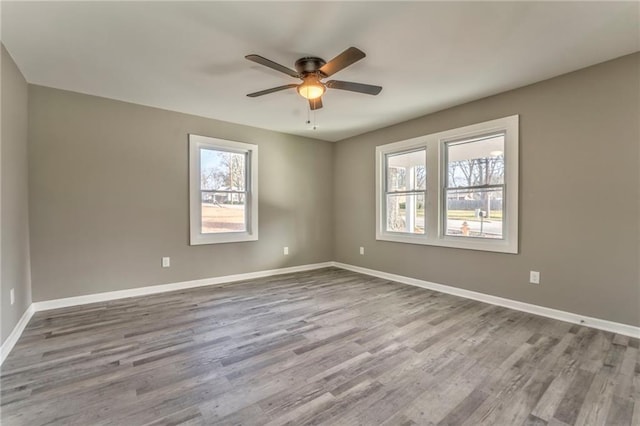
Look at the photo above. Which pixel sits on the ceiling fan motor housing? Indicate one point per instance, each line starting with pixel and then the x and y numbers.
pixel 309 64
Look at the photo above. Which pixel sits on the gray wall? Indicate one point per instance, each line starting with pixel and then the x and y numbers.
pixel 14 254
pixel 579 192
pixel 109 197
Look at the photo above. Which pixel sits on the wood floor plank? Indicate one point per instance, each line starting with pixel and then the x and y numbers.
pixel 571 404
pixel 327 347
pixel 621 411
pixel 597 401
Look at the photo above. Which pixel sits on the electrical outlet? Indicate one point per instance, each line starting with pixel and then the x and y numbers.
pixel 166 262
pixel 286 251
pixel 362 251
pixel 534 277
pixel 12 296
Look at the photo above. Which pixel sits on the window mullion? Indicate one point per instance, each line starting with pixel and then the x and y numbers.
pixel 432 208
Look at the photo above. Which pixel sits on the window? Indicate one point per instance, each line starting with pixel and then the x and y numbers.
pixel 474 187
pixel 457 188
pixel 405 191
pixel 223 191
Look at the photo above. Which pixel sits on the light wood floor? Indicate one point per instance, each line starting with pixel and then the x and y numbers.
pixel 324 347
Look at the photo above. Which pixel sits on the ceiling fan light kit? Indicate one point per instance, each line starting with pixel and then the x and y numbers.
pixel 311 88
pixel 311 70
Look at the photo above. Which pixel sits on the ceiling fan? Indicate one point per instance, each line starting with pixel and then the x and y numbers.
pixel 311 70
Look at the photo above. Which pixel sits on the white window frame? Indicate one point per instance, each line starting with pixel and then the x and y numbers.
pixel 435 190
pixel 196 144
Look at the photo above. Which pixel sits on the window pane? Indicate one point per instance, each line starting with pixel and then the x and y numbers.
pixel 406 171
pixel 475 213
pixel 223 212
pixel 405 213
pixel 476 162
pixel 222 170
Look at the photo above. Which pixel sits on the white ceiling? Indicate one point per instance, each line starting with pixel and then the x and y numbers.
pixel 189 57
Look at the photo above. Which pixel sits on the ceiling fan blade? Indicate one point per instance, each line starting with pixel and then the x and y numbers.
pixel 269 63
pixel 367 89
pixel 315 103
pixel 343 60
pixel 273 89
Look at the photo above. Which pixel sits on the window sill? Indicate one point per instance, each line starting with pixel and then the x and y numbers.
pixel 497 246
pixel 221 238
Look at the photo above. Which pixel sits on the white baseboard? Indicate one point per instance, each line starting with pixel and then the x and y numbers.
pixel 140 291
pixel 16 333
pixel 615 327
pixel 627 330
pixel 154 289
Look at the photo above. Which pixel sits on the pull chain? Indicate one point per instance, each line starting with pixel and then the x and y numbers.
pixel 308 122
pixel 315 125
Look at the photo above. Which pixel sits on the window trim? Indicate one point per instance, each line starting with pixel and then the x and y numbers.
pixel 436 180
pixel 196 143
